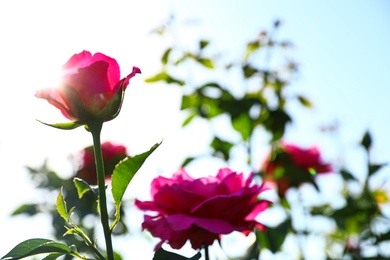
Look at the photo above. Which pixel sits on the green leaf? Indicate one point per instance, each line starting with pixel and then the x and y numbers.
pixel 187 161
pixel 36 246
pixel 251 48
pixel 63 126
pixel 158 77
pixel 366 141
pixel 162 254
pixel 249 71
pixel 208 63
pixel 305 102
pixel 189 101
pixel 61 206
pixel 243 124
pixel 29 209
pixel 203 44
pixel 163 76
pixel 83 187
pixel 373 168
pixel 222 147
pixel 274 237
pixel 347 175
pixel 52 256
pixel 122 176
pixel 252 252
pixel 164 59
pixel 275 122
pixel 189 119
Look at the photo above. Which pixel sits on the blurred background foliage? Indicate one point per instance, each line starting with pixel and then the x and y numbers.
pixel 239 100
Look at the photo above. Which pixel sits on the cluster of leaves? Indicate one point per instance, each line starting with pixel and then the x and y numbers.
pixel 259 103
pixel 246 104
pixel 363 210
pixel 69 224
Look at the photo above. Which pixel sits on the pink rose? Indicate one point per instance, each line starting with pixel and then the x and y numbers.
pixel 293 166
pixel 201 210
pixel 90 89
pixel 112 155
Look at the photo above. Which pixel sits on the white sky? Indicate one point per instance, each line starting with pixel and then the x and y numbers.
pixel 342 49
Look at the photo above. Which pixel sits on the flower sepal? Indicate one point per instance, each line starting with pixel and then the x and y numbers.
pixel 63 126
pixel 113 108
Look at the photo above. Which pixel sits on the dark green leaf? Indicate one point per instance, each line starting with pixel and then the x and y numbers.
pixel 123 174
pixel 187 161
pixel 249 71
pixel 63 126
pixel 275 122
pixel 210 84
pixel 347 175
pixel 373 168
pixel 36 246
pixel 203 44
pixel 366 141
pixel 53 256
pixel 221 147
pixel 162 254
pixel 29 209
pixel 274 237
pixel 383 237
pixel 252 253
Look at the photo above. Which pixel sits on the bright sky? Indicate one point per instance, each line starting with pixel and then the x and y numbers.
pixel 342 49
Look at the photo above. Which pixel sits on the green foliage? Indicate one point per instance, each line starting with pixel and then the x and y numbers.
pixel 252 94
pixel 83 187
pixel 366 141
pixel 164 76
pixel 61 207
pixel 123 174
pixel 37 246
pixel 221 146
pixel 305 102
pixel 263 107
pixel 274 237
pixel 162 254
pixel 29 209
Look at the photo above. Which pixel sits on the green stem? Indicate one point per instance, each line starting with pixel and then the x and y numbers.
pixel 206 252
pixel 95 128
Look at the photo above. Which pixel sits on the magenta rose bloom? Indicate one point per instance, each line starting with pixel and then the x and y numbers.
pixel 293 166
pixel 91 88
pixel 112 155
pixel 201 210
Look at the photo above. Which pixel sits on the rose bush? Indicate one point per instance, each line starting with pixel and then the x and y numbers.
pixel 292 166
pixel 112 155
pixel 90 89
pixel 201 210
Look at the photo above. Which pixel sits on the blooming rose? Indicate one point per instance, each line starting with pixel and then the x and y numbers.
pixel 200 210
pixel 293 166
pixel 112 155
pixel 90 89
